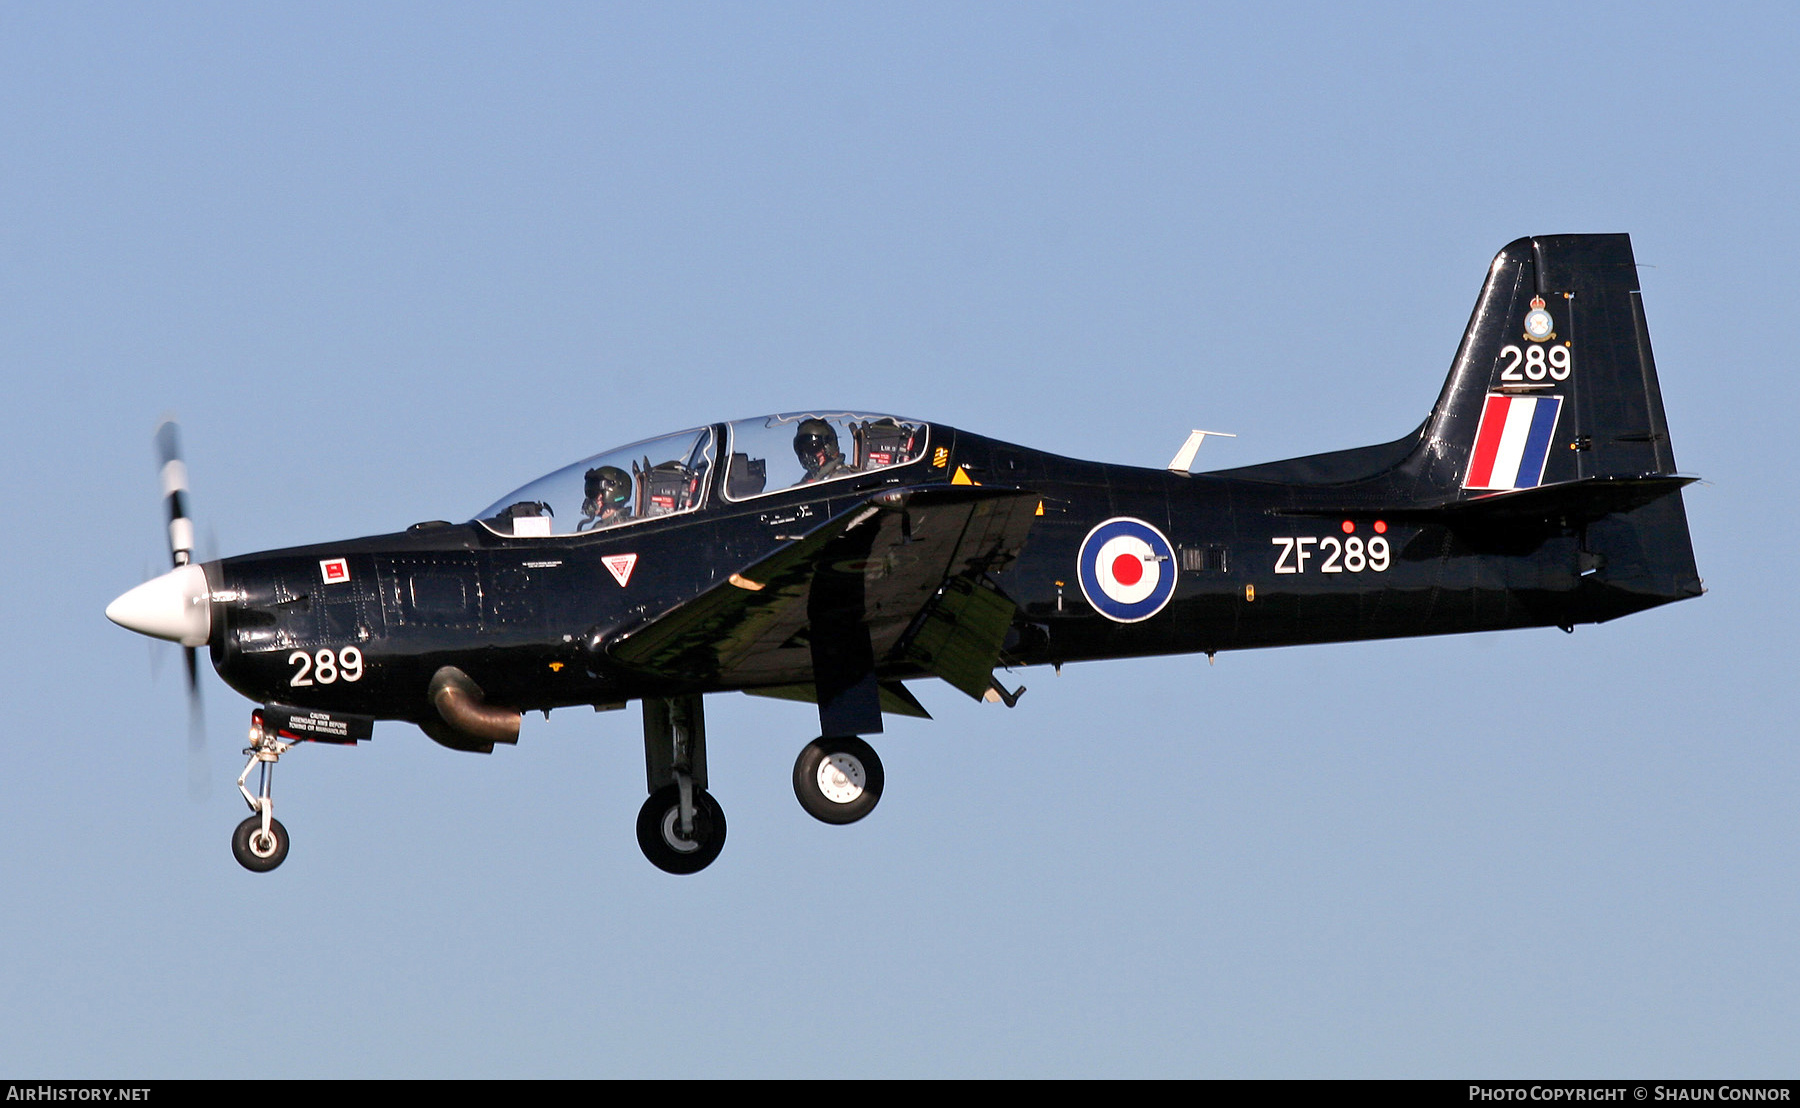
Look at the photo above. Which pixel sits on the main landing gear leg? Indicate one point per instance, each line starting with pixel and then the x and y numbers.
pixel 837 777
pixel 681 828
pixel 260 843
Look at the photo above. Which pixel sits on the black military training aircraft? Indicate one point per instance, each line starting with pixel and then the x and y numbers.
pixel 830 556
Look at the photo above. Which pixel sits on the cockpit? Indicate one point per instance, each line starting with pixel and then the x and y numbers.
pixel 672 474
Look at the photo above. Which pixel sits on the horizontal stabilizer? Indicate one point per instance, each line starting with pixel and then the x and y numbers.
pixel 1573 502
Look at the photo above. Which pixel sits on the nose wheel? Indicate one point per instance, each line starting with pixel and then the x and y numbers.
pixel 259 849
pixel 838 780
pixel 674 845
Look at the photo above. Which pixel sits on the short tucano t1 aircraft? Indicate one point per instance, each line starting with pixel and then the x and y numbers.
pixel 830 556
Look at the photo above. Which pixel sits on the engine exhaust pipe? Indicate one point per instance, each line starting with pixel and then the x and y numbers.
pixel 460 703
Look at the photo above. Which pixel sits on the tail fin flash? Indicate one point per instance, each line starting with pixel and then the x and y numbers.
pixel 1554 381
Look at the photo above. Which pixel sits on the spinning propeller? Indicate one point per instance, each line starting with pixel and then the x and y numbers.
pixel 176 606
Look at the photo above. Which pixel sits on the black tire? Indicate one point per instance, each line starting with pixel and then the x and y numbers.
pixel 659 835
pixel 254 854
pixel 838 780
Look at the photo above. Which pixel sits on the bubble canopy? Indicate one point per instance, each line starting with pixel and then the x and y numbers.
pixel 772 453
pixel 655 477
pixel 670 474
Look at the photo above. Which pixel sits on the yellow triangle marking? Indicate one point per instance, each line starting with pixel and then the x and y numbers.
pixel 1040 510
pixel 961 477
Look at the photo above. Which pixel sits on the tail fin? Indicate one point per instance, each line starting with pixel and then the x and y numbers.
pixel 1551 423
pixel 1554 381
pixel 1554 391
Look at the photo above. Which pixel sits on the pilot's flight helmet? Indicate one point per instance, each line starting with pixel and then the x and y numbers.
pixel 607 487
pixel 815 443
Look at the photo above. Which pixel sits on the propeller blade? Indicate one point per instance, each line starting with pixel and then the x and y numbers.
pixel 175 487
pixel 199 766
pixel 174 606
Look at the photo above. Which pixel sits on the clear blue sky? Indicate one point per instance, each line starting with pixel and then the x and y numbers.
pixel 389 264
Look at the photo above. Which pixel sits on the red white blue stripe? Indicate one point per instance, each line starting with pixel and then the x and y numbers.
pixel 1513 442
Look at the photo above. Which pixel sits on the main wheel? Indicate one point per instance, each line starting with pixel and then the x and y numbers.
pixel 255 851
pixel 838 780
pixel 659 831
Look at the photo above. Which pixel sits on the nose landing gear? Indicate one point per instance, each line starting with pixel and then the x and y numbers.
pixel 260 843
pixel 681 828
pixel 674 845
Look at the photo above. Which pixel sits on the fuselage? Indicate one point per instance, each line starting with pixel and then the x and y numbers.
pixel 360 626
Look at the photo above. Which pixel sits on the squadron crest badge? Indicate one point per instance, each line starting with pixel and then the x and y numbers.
pixel 1539 327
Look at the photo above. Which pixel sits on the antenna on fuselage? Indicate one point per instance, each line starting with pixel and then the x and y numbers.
pixel 1183 461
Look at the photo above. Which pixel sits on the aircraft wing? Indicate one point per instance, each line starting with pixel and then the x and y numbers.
pixel 906 565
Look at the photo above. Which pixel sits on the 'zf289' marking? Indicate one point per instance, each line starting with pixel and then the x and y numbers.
pixel 1351 555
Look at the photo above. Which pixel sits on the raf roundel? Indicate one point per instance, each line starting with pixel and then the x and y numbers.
pixel 1127 570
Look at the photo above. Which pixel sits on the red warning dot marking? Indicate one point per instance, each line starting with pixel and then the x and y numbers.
pixel 1349 528
pixel 1380 527
pixel 1128 569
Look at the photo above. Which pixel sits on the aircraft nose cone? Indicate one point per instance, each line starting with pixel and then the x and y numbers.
pixel 176 606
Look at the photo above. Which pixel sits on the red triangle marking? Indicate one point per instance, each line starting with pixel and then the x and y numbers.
pixel 620 566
